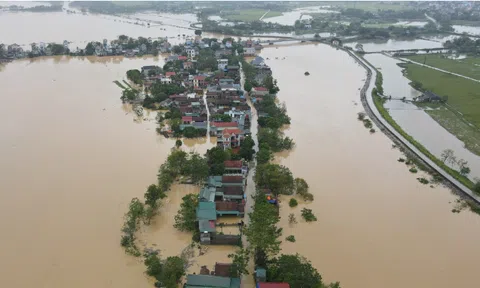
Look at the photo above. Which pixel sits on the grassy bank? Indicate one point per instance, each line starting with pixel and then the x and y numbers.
pixel 463 94
pixel 458 127
pixel 384 112
pixel 469 66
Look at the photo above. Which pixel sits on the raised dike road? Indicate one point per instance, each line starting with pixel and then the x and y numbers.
pixel 372 111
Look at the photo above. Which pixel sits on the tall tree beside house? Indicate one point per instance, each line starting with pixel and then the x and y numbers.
pixel 215 159
pixel 261 232
pixel 271 85
pixel 135 76
pixel 246 148
pixel 240 261
pixel 186 217
pixel 294 270
pixel 277 178
pixel 89 49
pixel 198 32
pixel 176 49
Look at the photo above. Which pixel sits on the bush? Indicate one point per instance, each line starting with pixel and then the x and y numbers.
pixel 293 202
pixel 423 181
pixel 292 219
pixel 401 160
pixel 372 130
pixel 413 170
pixel 290 238
pixel 476 187
pixel 307 214
pixel 361 116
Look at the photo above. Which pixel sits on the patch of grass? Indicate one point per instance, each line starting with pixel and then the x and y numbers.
pixel 293 202
pixel 463 94
pixel 307 214
pixel 458 127
pixel 249 15
pixel 469 66
pixel 119 84
pixel 290 238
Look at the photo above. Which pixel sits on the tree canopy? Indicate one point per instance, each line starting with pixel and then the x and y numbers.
pixel 294 270
pixel 186 217
pixel 277 178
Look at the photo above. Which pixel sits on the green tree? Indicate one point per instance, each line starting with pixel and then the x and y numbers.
pixel 177 49
pixel 176 162
pixel 248 86
pixel 89 49
pixel 264 155
pixel 135 76
pixel 301 187
pixel 186 217
pixel 197 168
pixel 198 32
pixel 128 95
pixel 476 187
pixel 246 148
pixel 216 157
pixel 271 84
pixel 178 143
pixel 154 266
pixel 261 231
pixel 277 178
pixel 172 271
pixel 294 270
pixel 153 194
pixel 239 263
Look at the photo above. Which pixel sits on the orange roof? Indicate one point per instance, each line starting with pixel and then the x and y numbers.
pixel 232 131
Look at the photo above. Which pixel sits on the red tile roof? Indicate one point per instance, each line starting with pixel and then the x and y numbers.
pixel 232 179
pixel 232 131
pixel 182 58
pixel 225 124
pixel 272 285
pixel 201 78
pixel 233 164
pixel 168 74
pixel 187 118
pixel 258 88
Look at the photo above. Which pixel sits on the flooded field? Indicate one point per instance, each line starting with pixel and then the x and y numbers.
pixel 392 44
pixel 415 121
pixel 377 225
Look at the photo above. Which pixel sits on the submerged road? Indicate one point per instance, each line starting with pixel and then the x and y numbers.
pixel 247 280
pixel 367 101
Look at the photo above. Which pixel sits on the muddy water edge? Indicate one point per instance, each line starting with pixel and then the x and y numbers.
pixel 377 225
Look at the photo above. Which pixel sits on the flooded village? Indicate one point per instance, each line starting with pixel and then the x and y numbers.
pixel 210 121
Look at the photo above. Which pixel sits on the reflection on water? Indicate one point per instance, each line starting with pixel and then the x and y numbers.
pixel 414 121
pixel 374 218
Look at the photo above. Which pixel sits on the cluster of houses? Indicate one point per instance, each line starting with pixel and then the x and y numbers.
pixel 222 196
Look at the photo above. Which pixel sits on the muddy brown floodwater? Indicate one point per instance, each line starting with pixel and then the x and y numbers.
pixel 377 225
pixel 72 159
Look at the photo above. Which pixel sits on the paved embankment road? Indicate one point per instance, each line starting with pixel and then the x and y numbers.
pixel 263 16
pixel 366 94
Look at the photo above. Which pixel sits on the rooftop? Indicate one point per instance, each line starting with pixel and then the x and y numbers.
pixel 272 285
pixel 211 281
pixel 233 164
pixel 225 124
pixel 260 89
pixel 232 179
pixel 206 211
